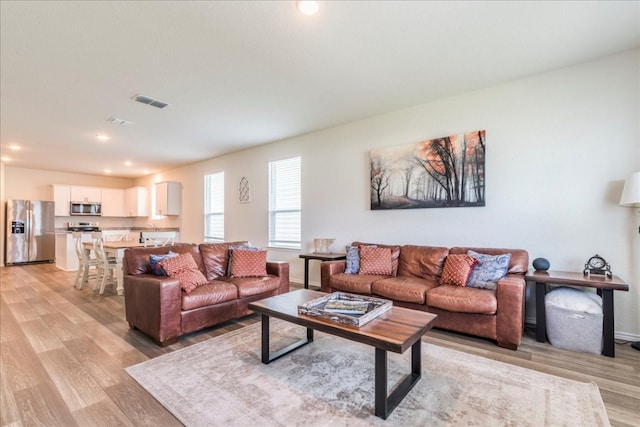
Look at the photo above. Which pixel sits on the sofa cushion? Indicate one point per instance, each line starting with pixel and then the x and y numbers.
pixel 215 257
pixel 395 254
pixel 406 289
pixel 489 270
pixel 463 299
pixel 457 269
pixel 249 263
pixel 422 261
pixel 154 260
pixel 375 261
pixel 353 283
pixel 184 268
pixel 208 294
pixel 250 286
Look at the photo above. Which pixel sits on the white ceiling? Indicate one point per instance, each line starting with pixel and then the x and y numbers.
pixel 237 74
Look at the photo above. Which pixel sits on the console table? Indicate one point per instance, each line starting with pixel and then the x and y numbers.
pixel 319 257
pixel 604 285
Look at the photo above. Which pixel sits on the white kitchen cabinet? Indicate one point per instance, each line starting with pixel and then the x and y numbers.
pixel 86 194
pixel 136 201
pixel 113 202
pixel 61 197
pixel 168 198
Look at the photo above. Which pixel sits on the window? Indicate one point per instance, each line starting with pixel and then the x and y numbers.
pixel 284 203
pixel 214 207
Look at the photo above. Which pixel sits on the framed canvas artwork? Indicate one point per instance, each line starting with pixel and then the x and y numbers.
pixel 443 172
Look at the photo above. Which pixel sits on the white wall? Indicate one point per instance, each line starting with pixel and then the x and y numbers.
pixel 559 146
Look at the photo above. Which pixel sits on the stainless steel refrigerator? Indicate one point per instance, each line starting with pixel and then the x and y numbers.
pixel 30 232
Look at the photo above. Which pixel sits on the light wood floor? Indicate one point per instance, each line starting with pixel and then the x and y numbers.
pixel 63 352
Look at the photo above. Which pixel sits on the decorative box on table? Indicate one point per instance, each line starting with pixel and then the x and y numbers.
pixel 347 309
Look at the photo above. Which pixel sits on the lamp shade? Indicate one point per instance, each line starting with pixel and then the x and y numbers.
pixel 631 192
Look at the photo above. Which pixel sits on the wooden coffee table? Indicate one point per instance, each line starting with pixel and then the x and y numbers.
pixel 395 330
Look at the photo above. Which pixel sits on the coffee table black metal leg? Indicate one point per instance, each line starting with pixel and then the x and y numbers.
pixel 268 358
pixel 541 314
pixel 386 404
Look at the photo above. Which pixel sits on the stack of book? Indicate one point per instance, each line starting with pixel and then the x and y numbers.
pixel 347 307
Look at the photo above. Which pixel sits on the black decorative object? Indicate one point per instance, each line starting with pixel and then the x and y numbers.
pixel 541 264
pixel 597 265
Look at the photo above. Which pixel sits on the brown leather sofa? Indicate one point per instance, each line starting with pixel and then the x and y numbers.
pixel 495 314
pixel 159 307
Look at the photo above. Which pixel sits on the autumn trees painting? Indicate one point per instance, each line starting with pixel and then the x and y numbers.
pixel 441 172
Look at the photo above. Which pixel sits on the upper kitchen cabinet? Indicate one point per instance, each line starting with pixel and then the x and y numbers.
pixel 86 194
pixel 113 202
pixel 61 197
pixel 136 201
pixel 168 198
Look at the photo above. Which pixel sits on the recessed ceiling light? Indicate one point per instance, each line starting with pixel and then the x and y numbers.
pixel 117 121
pixel 102 137
pixel 14 147
pixel 5 159
pixel 307 7
pixel 107 171
pixel 128 163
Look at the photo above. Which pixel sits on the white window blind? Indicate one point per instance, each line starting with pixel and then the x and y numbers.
pixel 285 203
pixel 214 207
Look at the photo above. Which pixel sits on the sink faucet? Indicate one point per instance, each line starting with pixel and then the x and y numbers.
pixel 153 226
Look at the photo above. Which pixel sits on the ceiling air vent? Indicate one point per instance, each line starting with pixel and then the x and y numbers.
pixel 150 101
pixel 117 121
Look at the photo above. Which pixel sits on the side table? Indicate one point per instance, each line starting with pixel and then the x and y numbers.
pixel 319 257
pixel 604 285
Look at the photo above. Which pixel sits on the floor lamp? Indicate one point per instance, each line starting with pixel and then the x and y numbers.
pixel 631 198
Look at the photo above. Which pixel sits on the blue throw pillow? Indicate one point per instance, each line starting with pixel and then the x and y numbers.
pixel 353 260
pixel 491 269
pixel 155 259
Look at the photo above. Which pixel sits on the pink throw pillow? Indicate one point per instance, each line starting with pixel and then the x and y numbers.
pixel 375 261
pixel 457 269
pixel 184 268
pixel 247 263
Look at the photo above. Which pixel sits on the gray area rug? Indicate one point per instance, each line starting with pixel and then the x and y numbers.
pixel 221 382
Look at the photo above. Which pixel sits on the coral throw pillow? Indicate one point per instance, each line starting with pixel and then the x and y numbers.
pixel 457 269
pixel 184 268
pixel 249 263
pixel 246 247
pixel 375 261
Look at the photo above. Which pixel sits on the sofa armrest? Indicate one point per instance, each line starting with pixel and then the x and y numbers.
pixel 280 269
pixel 153 305
pixel 328 269
pixel 510 294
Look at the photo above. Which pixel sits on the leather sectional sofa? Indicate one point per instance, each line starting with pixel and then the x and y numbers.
pixel 497 314
pixel 159 307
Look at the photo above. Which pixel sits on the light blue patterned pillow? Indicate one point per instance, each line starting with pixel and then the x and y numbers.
pixel 491 269
pixel 353 260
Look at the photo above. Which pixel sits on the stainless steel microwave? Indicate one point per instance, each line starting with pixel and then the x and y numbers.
pixel 85 208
